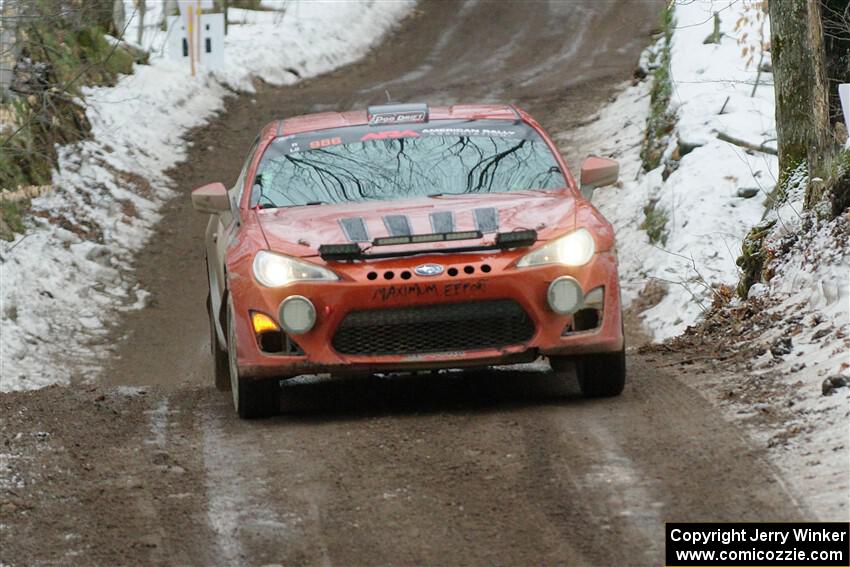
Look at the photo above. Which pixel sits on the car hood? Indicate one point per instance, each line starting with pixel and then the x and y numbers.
pixel 300 231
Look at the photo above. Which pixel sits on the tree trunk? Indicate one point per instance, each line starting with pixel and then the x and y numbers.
pixel 168 9
pixel 8 45
pixel 99 13
pixel 141 8
pixel 118 18
pixel 802 101
pixel 225 5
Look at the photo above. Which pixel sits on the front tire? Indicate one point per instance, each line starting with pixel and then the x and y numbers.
pixel 602 375
pixel 251 398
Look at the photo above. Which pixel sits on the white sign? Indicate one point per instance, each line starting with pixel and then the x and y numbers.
pixel 211 46
pixel 844 94
pixel 206 44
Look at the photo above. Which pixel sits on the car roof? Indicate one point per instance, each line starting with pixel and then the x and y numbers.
pixel 327 120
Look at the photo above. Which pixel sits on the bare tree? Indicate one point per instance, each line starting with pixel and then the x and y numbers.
pixel 118 17
pixel 141 8
pixel 58 47
pixel 8 47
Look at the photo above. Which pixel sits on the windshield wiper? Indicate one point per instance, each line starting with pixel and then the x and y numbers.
pixel 436 195
pixel 307 204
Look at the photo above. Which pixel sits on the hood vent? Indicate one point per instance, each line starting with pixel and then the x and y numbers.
pixel 487 220
pixel 355 229
pixel 443 222
pixel 397 225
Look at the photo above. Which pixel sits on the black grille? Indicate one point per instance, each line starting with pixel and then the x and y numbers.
pixel 433 328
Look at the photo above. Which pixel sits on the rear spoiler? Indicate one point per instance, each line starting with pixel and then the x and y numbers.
pixel 351 251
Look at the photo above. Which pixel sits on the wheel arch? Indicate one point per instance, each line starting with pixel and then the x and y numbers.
pixel 220 312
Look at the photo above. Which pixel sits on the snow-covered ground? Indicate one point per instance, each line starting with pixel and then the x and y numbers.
pixel 808 300
pixel 706 217
pixel 806 303
pixel 65 277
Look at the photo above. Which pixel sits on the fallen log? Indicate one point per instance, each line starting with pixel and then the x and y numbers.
pixel 763 148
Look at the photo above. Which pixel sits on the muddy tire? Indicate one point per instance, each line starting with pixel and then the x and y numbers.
pixel 221 369
pixel 602 375
pixel 257 398
pixel 251 398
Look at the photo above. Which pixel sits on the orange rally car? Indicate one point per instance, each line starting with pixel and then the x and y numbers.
pixel 409 238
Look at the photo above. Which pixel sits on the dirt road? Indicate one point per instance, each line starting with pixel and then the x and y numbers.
pixel 495 468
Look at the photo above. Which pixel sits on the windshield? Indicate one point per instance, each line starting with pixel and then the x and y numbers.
pixel 380 164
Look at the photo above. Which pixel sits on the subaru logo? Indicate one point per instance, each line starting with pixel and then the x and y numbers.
pixel 428 270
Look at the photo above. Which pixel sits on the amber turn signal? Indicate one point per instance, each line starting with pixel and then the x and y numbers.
pixel 262 323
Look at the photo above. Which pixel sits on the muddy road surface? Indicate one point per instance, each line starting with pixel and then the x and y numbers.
pixel 150 466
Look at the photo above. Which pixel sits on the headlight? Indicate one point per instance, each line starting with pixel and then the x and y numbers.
pixel 574 249
pixel 275 270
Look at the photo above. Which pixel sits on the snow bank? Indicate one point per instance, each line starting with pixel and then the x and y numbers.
pixel 809 297
pixel 706 217
pixel 67 275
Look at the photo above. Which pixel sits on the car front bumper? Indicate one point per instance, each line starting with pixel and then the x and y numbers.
pixel 492 278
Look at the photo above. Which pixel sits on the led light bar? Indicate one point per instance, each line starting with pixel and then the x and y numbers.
pixel 467 235
pixel 504 241
pixel 339 252
pixel 425 238
pixel 516 239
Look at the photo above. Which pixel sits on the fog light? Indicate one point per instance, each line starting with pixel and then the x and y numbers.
pixel 262 322
pixel 297 314
pixel 565 295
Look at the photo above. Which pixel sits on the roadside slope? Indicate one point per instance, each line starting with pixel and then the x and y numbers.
pixel 65 280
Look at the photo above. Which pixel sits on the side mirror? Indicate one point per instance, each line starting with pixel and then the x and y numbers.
pixel 598 172
pixel 211 198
